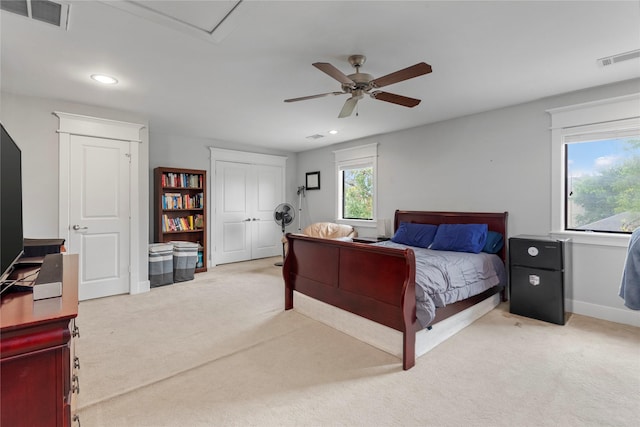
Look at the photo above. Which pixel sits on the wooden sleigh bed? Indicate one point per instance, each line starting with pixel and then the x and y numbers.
pixel 378 283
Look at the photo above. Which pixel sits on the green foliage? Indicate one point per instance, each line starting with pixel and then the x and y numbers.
pixel 615 190
pixel 358 193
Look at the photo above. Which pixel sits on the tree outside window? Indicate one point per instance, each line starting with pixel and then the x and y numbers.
pixel 603 185
pixel 358 193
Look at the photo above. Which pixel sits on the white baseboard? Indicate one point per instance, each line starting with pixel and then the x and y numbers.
pixel 383 337
pixel 140 287
pixel 619 315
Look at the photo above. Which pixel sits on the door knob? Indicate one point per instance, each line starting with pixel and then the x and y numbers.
pixel 77 227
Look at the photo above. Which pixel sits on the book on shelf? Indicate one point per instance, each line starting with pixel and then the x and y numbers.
pixel 181 180
pixel 182 201
pixel 183 223
pixel 198 222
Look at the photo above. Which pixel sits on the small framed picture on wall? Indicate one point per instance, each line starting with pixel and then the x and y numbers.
pixel 313 181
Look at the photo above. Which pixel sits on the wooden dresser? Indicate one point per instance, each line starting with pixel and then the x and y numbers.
pixel 38 367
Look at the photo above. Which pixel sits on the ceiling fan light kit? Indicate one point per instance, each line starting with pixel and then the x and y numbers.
pixel 360 84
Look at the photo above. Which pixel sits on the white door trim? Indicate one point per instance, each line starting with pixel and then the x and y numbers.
pixel 222 154
pixel 74 124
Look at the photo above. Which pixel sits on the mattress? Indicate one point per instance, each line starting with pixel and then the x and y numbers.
pixel 444 277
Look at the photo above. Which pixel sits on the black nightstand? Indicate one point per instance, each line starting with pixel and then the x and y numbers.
pixel 369 239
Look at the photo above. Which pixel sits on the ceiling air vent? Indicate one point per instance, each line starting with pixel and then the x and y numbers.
pixel 610 60
pixel 51 12
pixel 316 136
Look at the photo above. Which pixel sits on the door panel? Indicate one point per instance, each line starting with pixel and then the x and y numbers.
pixel 99 214
pixel 267 240
pixel 234 235
pixel 233 242
pixel 101 254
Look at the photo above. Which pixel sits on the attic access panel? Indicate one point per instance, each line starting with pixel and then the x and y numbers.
pixel 209 20
pixel 203 15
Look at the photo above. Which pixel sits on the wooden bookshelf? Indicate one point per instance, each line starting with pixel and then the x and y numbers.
pixel 180 202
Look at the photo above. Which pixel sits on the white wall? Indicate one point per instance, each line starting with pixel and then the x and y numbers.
pixel 32 125
pixel 494 161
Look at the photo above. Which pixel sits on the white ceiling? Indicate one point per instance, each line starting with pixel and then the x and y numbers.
pixel 229 84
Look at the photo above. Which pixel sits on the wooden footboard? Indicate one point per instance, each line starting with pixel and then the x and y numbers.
pixel 376 282
pixel 373 282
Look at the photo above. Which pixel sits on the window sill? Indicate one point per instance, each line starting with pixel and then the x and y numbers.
pixel 594 238
pixel 358 223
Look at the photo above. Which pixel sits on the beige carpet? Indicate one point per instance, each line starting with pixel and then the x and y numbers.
pixel 220 351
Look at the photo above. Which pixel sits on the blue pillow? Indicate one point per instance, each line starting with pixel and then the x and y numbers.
pixel 494 243
pixel 419 235
pixel 460 237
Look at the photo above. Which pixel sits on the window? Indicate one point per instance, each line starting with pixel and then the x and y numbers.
pixel 357 192
pixel 596 170
pixel 603 184
pixel 356 182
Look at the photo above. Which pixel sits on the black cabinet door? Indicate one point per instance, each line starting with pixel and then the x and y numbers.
pixel 545 254
pixel 537 293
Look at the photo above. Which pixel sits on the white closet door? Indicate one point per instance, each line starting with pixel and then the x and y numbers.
pixel 248 187
pixel 266 235
pixel 234 190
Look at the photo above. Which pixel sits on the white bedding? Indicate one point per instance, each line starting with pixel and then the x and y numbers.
pixel 444 277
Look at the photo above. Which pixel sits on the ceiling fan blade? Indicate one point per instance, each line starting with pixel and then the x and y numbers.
pixel 395 99
pixel 332 71
pixel 401 75
pixel 304 98
pixel 348 107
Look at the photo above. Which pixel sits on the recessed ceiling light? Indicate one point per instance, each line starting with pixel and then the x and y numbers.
pixel 104 79
pixel 333 132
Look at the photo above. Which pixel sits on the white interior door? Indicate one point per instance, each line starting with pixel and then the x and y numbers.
pixel 233 214
pixel 266 235
pixel 99 214
pixel 246 196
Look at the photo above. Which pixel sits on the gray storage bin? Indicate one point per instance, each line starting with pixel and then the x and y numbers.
pixel 160 264
pixel 185 257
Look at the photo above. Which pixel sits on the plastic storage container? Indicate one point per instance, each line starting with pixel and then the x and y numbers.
pixel 160 264
pixel 185 257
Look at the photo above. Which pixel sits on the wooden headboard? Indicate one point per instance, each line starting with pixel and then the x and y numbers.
pixel 496 221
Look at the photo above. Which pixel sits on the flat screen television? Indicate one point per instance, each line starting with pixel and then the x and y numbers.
pixel 11 237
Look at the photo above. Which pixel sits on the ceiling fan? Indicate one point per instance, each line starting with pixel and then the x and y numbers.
pixel 360 84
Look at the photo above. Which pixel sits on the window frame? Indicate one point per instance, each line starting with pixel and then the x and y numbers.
pixel 354 158
pixel 569 124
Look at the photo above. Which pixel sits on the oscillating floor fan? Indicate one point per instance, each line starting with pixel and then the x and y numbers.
pixel 283 215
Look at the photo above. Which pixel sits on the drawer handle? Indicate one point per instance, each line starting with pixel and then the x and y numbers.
pixel 75 387
pixel 76 362
pixel 76 331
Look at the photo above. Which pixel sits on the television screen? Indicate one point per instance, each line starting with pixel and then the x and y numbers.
pixel 11 238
